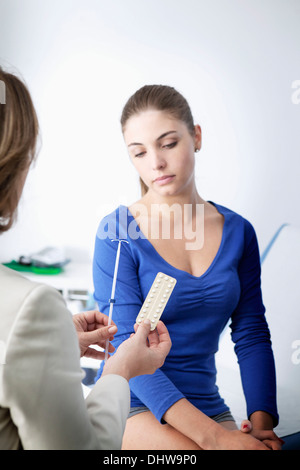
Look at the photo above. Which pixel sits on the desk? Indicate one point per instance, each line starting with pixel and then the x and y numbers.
pixel 75 278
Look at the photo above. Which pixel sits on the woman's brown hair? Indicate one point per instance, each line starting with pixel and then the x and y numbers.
pixel 18 137
pixel 160 98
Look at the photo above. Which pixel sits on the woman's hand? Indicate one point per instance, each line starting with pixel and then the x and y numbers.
pixel 267 437
pixel 92 329
pixel 142 353
pixel 238 440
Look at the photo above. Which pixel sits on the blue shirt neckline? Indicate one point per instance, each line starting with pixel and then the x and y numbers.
pixel 181 271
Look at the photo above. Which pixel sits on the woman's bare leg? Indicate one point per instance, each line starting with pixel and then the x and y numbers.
pixel 144 432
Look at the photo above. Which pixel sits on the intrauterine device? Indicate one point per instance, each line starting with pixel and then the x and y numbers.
pixel 156 299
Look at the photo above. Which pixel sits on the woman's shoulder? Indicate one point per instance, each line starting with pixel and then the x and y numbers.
pixel 17 285
pixel 116 224
pixel 234 217
pixel 14 284
pixel 19 294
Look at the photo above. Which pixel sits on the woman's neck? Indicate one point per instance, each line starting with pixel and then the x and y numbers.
pixel 190 197
pixel 173 208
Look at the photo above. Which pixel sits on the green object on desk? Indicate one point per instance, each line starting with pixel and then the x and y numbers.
pixel 33 269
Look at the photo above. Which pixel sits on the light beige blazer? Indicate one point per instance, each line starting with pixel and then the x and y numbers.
pixel 41 398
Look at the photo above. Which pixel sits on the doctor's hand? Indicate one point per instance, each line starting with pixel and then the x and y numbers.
pixel 92 329
pixel 142 353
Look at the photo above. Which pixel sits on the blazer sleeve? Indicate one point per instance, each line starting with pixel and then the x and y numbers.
pixel 42 382
pixel 251 335
pixel 129 299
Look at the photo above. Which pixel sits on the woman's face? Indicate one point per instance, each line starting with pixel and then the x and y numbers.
pixel 162 151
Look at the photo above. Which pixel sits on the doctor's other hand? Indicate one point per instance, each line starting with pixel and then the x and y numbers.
pixel 92 329
pixel 142 353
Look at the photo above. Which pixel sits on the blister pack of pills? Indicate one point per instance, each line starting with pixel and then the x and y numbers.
pixel 156 299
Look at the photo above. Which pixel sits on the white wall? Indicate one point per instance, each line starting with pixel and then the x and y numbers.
pixel 235 61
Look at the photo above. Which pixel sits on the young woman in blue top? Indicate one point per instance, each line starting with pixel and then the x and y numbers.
pixel 215 260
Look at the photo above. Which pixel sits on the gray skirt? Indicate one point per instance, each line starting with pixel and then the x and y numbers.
pixel 225 416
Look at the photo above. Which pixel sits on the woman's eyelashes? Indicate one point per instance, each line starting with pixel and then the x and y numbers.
pixel 171 145
pixel 140 154
pixel 165 146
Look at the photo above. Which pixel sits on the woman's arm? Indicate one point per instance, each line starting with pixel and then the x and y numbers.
pixel 251 335
pixel 261 427
pixel 207 434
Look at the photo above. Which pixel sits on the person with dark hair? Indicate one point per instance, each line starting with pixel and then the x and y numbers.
pixel 212 252
pixel 41 398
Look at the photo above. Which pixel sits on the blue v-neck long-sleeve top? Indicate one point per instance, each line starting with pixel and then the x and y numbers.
pixel 197 312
